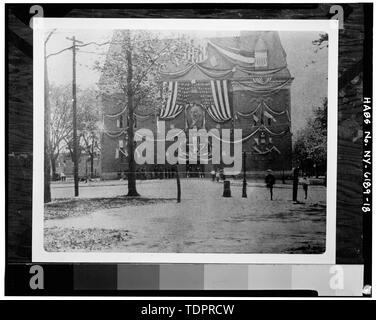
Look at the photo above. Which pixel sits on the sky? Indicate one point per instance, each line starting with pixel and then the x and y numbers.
pixel 307 67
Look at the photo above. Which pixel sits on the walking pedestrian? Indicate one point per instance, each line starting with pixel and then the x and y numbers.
pixel 270 181
pixel 217 175
pixel 305 183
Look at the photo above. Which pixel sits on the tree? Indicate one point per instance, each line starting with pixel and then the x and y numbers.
pixel 321 42
pixel 310 149
pixel 61 122
pixel 132 69
pixel 61 125
pixel 47 114
pixel 88 126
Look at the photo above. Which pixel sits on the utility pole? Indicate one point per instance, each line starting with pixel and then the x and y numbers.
pixel 74 109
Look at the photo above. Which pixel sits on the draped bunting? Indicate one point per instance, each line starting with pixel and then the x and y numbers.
pixel 214 95
pixel 250 114
pixel 261 80
pixel 177 74
pixel 273 111
pixel 204 89
pixel 117 114
pixel 171 110
pixel 141 117
pixel 247 137
pixel 259 73
pixel 267 111
pixel 177 99
pixel 273 133
pixel 208 72
pixel 116 134
pixel 138 116
pixel 267 150
pixel 238 59
pixel 215 73
pixel 268 88
pixel 221 108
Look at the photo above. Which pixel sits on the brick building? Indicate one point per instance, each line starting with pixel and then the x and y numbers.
pixel 64 164
pixel 235 82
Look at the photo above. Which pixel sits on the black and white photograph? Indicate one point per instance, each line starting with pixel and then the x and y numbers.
pixel 183 141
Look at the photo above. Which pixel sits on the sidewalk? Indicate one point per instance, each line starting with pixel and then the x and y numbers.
pixel 102 183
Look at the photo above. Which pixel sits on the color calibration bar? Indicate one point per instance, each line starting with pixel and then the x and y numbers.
pixel 327 280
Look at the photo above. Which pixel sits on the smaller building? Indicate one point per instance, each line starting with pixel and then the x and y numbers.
pixel 64 164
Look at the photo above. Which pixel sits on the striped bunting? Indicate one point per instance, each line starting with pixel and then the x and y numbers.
pixel 177 99
pixel 220 110
pixel 213 93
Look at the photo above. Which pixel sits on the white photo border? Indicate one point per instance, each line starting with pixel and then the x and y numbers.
pixel 40 25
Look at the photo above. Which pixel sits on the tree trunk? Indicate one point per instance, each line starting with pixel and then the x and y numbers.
pixel 178 183
pixel 53 166
pixel 92 166
pixel 132 191
pixel 316 172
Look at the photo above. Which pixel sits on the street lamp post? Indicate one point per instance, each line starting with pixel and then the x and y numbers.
pixel 244 195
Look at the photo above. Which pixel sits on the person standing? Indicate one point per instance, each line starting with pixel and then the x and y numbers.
pixel 222 175
pixel 270 181
pixel 305 183
pixel 213 175
pixel 217 175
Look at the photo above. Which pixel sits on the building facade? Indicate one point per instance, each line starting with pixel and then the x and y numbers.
pixel 64 164
pixel 238 82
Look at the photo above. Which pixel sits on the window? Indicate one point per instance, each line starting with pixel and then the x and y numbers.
pixel 119 122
